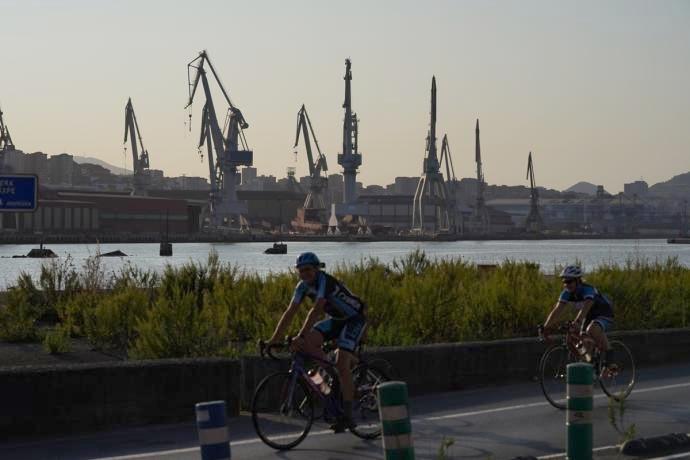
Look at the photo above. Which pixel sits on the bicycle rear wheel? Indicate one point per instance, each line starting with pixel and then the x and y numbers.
pixel 553 374
pixel 282 410
pixel 618 377
pixel 365 407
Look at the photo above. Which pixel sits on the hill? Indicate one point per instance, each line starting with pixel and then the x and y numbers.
pixel 108 166
pixel 583 187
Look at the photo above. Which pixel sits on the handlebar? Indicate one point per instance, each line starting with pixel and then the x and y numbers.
pixel 266 350
pixel 565 327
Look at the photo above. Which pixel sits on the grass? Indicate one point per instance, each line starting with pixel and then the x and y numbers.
pixel 212 309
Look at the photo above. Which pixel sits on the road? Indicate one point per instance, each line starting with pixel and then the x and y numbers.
pixel 497 422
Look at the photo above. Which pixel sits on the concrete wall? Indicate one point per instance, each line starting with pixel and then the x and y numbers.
pixel 72 398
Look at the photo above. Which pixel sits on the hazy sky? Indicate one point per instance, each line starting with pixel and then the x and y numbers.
pixel 597 90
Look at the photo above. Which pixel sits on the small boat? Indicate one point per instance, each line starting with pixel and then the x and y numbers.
pixel 680 240
pixel 38 253
pixel 117 253
pixel 278 248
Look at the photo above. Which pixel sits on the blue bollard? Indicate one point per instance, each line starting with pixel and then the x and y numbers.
pixel 213 430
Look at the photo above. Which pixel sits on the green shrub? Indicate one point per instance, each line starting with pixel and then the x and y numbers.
pixel 58 340
pixel 18 317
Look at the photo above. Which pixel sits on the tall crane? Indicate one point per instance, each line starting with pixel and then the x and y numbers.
pixel 5 138
pixel 229 145
pixel 534 221
pixel 431 189
pixel 315 205
pixel 451 179
pixel 142 179
pixel 481 214
pixel 350 159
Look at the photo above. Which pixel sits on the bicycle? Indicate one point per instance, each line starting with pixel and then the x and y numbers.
pixel 616 377
pixel 283 406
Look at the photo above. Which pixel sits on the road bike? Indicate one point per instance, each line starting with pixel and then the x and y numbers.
pixel 616 376
pixel 286 404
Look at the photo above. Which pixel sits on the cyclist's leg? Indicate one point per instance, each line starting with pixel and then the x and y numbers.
pixel 596 329
pixel 314 339
pixel 348 340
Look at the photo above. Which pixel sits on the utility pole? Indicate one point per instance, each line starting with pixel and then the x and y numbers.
pixel 431 188
pixel 534 221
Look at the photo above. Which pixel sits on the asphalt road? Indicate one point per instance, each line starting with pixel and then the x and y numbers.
pixel 498 422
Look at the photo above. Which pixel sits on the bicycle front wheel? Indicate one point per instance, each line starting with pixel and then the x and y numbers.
pixel 282 410
pixel 553 375
pixel 617 378
pixel 365 407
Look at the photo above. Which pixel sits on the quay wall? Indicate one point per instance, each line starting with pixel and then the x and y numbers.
pixel 40 400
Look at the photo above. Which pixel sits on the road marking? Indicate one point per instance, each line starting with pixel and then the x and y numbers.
pixel 562 454
pixel 418 419
pixel 681 455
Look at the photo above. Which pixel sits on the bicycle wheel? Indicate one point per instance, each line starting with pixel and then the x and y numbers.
pixel 618 377
pixel 553 374
pixel 282 410
pixel 365 407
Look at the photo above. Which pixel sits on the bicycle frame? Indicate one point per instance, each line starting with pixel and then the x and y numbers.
pixel 331 403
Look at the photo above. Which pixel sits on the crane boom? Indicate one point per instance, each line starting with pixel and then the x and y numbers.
pixel 305 127
pixel 5 138
pixel 140 161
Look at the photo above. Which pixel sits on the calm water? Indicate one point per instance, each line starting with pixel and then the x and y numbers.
pixel 250 256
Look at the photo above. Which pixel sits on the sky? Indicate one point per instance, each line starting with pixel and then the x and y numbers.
pixel 597 91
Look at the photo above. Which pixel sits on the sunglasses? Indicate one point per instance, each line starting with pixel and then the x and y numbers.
pixel 568 280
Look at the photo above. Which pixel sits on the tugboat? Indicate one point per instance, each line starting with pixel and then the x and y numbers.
pixel 278 248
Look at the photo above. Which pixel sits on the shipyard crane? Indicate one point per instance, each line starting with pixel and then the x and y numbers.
pixel 534 221
pixel 315 205
pixel 481 214
pixel 229 145
pixel 451 180
pixel 5 138
pixel 350 158
pixel 431 190
pixel 142 179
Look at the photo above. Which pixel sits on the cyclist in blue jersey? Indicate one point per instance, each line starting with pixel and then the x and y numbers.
pixel 595 311
pixel 345 322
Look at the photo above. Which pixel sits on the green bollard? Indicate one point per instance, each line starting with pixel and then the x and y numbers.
pixel 395 421
pixel 579 414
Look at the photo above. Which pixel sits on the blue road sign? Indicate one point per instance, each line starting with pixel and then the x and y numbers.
pixel 18 193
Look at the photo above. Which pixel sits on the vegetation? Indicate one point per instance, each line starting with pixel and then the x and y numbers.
pixel 215 309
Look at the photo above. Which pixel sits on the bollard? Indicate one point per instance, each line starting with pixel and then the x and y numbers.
pixel 395 421
pixel 579 413
pixel 213 431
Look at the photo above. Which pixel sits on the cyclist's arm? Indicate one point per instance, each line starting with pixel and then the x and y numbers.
pixel 315 313
pixel 587 305
pixel 285 321
pixel 555 314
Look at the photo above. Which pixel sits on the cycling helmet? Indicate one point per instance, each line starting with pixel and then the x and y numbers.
pixel 571 271
pixel 308 258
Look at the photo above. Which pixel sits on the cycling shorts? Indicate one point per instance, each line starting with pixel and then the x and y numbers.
pixel 605 323
pixel 346 332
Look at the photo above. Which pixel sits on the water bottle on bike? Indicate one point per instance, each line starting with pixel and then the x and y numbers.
pixel 318 376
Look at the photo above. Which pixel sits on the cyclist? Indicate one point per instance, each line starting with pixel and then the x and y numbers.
pixel 595 311
pixel 345 322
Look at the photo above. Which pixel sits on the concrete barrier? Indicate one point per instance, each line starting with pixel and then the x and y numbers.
pixel 70 398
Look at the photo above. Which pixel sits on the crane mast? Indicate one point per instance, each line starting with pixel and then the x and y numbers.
pixel 5 138
pixel 534 221
pixel 141 181
pixel 350 158
pixel 431 194
pixel 481 213
pixel 316 202
pixel 230 147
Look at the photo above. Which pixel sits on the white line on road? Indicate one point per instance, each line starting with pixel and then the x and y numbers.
pixel 442 417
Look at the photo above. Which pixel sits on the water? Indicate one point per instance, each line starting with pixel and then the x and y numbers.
pixel 250 257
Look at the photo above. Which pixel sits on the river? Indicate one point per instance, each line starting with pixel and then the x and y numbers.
pixel 249 256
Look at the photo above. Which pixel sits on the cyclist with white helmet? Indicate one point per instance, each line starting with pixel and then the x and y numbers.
pixel 594 310
pixel 345 322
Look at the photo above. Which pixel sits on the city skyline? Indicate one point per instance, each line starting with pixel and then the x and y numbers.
pixel 596 90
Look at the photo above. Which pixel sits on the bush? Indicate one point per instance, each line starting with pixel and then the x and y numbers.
pixel 58 340
pixel 19 316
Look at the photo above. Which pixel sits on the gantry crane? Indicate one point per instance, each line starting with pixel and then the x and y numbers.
pixel 316 204
pixel 431 190
pixel 534 221
pixel 142 179
pixel 451 181
pixel 5 138
pixel 225 209
pixel 481 213
pixel 350 159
